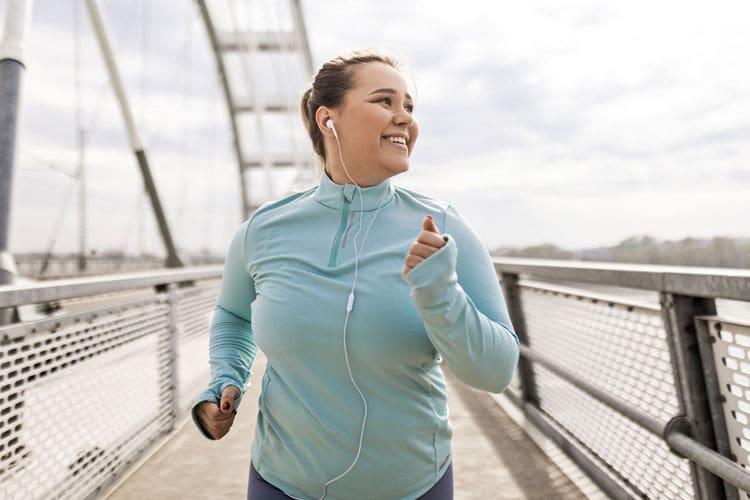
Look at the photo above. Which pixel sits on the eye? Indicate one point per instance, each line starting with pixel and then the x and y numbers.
pixel 388 101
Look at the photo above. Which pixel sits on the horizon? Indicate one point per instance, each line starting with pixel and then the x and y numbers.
pixel 207 253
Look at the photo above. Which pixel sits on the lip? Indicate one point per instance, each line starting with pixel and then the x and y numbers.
pixel 402 147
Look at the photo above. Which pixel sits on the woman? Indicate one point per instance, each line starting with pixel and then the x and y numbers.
pixel 355 297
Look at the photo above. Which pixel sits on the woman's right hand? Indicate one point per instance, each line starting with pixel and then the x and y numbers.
pixel 218 419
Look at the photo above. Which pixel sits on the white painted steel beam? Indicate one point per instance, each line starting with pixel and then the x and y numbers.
pixel 683 280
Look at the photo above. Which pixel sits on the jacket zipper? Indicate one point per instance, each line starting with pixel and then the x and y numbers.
pixel 343 228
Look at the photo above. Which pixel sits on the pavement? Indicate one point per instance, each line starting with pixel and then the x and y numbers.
pixel 493 458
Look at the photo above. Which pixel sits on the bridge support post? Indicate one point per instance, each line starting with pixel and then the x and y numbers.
pixel 167 357
pixel 17 20
pixel 512 292
pixel 679 313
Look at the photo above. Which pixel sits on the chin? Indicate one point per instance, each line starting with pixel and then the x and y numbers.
pixel 399 168
pixel 393 172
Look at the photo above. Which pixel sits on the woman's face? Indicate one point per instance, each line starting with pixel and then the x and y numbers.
pixel 375 125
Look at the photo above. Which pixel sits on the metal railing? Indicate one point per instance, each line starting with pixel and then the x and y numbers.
pixel 85 392
pixel 37 266
pixel 651 398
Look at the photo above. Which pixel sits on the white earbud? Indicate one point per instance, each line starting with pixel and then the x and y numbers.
pixel 329 124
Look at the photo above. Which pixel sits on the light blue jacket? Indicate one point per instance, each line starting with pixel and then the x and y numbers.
pixel 287 278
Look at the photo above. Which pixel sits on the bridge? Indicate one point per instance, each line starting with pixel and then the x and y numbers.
pixel 634 380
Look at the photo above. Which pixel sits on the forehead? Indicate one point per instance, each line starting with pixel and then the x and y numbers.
pixel 375 75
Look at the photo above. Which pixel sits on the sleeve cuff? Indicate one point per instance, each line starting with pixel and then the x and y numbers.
pixel 437 270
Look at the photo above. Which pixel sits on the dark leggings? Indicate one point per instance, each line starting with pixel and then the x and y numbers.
pixel 260 489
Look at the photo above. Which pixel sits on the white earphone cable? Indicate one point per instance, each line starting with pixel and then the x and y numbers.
pixel 350 306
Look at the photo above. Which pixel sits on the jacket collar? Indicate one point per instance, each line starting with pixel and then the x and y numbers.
pixel 334 195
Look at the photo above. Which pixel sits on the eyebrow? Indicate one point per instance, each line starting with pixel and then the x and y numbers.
pixel 389 91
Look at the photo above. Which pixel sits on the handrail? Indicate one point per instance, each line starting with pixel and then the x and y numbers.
pixel 16 295
pixel 694 281
pixel 595 296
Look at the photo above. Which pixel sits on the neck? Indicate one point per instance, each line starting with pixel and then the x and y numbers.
pixel 338 175
pixel 335 195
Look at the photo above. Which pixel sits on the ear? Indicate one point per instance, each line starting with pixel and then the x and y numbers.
pixel 322 115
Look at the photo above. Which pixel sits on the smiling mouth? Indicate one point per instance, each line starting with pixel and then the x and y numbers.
pixel 401 141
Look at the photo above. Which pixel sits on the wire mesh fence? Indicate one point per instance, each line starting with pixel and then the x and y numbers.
pixel 84 394
pixel 622 349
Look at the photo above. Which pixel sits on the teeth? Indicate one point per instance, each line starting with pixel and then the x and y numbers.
pixel 397 140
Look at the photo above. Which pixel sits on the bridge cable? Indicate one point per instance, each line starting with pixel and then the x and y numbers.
pixel 186 84
pixel 80 136
pixel 52 242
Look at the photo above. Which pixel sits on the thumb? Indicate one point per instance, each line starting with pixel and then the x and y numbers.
pixel 228 396
pixel 429 225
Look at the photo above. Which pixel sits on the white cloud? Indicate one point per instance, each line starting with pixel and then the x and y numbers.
pixel 578 123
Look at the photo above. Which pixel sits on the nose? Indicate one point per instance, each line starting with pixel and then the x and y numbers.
pixel 403 117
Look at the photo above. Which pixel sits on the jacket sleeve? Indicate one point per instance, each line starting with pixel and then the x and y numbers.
pixel 458 297
pixel 232 347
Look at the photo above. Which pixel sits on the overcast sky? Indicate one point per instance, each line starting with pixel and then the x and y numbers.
pixel 578 123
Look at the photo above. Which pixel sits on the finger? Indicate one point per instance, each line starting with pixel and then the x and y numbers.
pixel 421 249
pixel 228 397
pixel 218 428
pixel 432 239
pixel 405 272
pixel 207 410
pixel 224 417
pixel 208 414
pixel 412 261
pixel 429 225
pixel 409 263
pixel 218 431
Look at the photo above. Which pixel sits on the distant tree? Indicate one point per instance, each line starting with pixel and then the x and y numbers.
pixel 544 251
pixel 644 249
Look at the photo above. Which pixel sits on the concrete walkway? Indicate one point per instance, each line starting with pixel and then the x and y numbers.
pixel 492 457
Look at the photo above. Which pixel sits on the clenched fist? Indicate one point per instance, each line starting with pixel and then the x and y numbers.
pixel 427 243
pixel 217 419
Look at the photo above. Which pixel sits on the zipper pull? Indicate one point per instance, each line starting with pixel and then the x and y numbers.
pixel 348 227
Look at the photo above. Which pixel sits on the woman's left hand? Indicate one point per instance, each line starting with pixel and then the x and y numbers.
pixel 427 243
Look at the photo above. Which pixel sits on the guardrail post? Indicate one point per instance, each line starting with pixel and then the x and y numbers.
pixel 679 313
pixel 168 363
pixel 706 341
pixel 512 292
